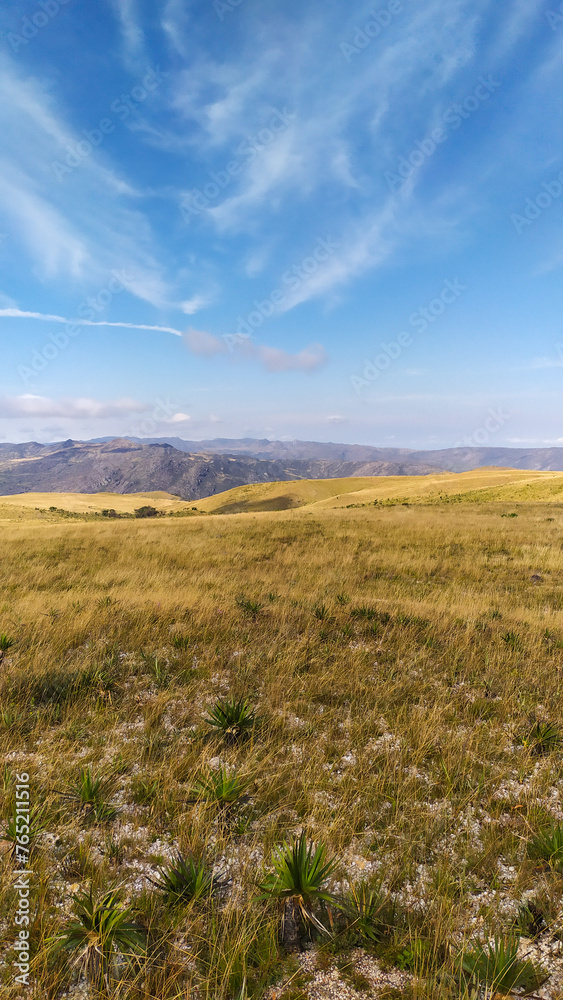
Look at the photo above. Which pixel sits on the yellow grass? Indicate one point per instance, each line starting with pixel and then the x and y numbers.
pixel 36 506
pixel 481 484
pixel 397 656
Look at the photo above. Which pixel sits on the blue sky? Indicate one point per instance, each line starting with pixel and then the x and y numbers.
pixel 312 219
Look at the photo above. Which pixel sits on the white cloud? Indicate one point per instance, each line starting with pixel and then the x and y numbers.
pixel 133 35
pixel 48 237
pixel 81 226
pixel 314 149
pixel 31 405
pixel 178 418
pixel 193 305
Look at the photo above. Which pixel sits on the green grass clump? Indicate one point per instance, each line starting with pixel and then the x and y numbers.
pixel 543 738
pixel 299 881
pixel 188 880
pixel 102 933
pixel 89 793
pixel 368 912
pixel 220 787
pixel 234 720
pixel 497 968
pixel 548 846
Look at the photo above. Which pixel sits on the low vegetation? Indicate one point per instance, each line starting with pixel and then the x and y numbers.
pixel 308 753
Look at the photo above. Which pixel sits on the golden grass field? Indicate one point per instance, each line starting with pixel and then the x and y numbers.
pixel 479 485
pixel 397 656
pixel 35 506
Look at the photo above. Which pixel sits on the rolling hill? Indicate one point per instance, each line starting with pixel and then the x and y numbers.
pixel 480 486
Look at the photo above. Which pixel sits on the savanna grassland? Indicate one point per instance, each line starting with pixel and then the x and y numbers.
pixel 397 672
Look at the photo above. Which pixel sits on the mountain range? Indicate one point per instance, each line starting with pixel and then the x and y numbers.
pixel 461 459
pixel 196 469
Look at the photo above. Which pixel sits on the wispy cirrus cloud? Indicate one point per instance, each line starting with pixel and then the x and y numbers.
pixel 56 224
pixel 132 32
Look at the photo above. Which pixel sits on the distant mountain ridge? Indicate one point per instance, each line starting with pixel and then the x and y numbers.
pixel 123 466
pixel 461 459
pixel 201 469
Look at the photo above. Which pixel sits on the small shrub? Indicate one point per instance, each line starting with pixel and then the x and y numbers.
pixel 415 957
pixel 160 674
pixel 188 880
pixel 32 828
pixel 496 967
pixel 548 846
pixel 181 641
pixel 6 643
pixel 89 792
pixel 145 791
pixel 542 739
pixel 114 849
pixel 299 877
pixel 368 913
pixel 403 619
pixel 321 613
pixel 512 639
pixel 531 921
pixel 233 719
pixel 146 511
pixel 220 787
pixel 102 931
pixel 364 612
pixel 106 602
pixel 79 864
pixel 250 608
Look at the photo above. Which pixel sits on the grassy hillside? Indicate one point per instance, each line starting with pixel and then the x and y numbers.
pixel 35 506
pixel 480 484
pixel 397 659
